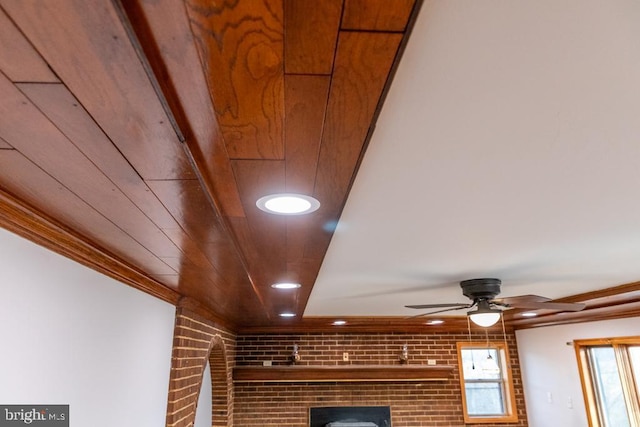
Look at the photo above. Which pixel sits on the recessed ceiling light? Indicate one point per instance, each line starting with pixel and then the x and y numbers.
pixel 288 204
pixel 287 315
pixel 435 322
pixel 340 322
pixel 286 285
pixel 529 314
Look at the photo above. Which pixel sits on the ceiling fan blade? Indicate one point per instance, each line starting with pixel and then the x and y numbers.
pixel 427 306
pixel 557 306
pixel 520 299
pixel 442 311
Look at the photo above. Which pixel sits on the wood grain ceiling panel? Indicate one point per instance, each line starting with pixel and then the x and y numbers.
pixel 241 46
pixel 213 275
pixel 32 185
pixel 262 236
pixel 164 31
pixel 311 33
pixel 60 106
pixel 176 263
pixel 305 272
pixel 211 270
pixel 221 256
pixel 305 106
pixel 299 232
pixel 265 238
pixel 219 259
pixel 189 246
pixel 191 208
pixel 306 99
pixel 232 302
pixel 191 282
pixel 225 259
pixel 302 267
pixel 18 59
pixel 376 15
pixel 206 244
pixel 89 49
pixel 242 234
pixel 44 144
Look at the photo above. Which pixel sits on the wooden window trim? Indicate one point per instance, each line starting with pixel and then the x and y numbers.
pixel 509 391
pixel 624 365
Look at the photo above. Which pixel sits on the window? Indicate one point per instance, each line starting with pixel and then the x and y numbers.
pixel 610 375
pixel 487 386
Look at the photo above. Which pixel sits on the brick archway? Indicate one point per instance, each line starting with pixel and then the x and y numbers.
pixel 220 390
pixel 194 343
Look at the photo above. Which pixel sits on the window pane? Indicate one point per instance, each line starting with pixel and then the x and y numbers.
pixel 484 399
pixel 481 364
pixel 634 355
pixel 608 387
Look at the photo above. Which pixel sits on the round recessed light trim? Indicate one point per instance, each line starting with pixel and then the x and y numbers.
pixel 435 322
pixel 288 204
pixel 287 314
pixel 286 285
pixel 529 314
pixel 339 322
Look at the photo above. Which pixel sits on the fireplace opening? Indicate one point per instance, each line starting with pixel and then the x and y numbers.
pixel 350 416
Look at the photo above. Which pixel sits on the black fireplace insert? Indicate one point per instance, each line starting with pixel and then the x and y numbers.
pixel 350 416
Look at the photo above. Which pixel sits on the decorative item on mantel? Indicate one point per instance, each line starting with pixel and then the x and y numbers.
pixel 404 356
pixel 295 355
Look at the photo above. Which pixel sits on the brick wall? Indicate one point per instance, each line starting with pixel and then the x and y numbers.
pixel 197 340
pixel 412 403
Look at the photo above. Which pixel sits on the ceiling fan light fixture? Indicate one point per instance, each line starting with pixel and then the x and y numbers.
pixel 485 316
pixel 485 319
pixel 288 204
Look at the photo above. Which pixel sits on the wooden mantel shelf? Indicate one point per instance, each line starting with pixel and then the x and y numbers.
pixel 341 373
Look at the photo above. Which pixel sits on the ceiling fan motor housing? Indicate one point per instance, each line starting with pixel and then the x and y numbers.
pixel 478 289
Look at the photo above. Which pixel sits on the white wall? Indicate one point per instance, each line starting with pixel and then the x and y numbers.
pixel 549 365
pixel 70 335
pixel 203 410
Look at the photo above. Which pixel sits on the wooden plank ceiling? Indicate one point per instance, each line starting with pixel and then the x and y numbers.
pixel 136 137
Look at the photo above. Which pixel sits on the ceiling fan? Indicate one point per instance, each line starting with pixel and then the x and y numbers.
pixel 483 292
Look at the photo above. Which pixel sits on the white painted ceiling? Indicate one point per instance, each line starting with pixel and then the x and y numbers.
pixel 509 147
